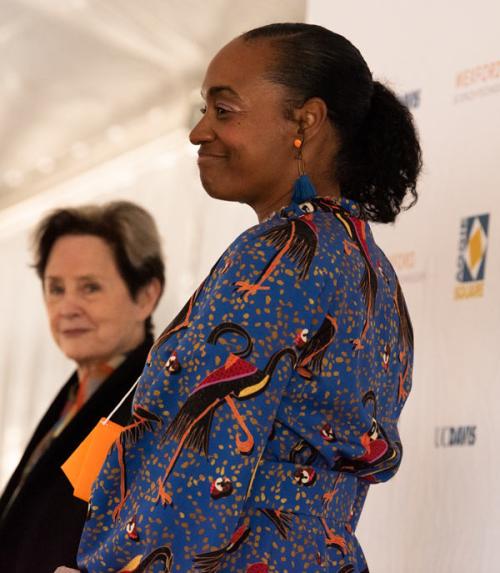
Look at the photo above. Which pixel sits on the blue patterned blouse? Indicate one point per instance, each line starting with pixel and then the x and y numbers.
pixel 266 409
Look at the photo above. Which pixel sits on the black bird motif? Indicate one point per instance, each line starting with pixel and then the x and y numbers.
pixel 406 339
pixel 209 562
pixel 282 520
pixel 297 239
pixel 356 230
pixel 140 565
pixel 238 379
pixel 313 351
pixel 180 322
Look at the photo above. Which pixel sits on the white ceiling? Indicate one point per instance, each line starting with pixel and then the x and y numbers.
pixel 82 81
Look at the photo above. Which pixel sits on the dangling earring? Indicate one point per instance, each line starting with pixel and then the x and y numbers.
pixel 303 189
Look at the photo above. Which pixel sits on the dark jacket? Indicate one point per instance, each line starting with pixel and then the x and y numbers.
pixel 40 527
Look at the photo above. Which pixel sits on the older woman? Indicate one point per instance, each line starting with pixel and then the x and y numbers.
pixel 102 274
pixel 273 398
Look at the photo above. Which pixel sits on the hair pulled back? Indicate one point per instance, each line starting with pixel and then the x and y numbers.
pixel 379 158
pixel 127 228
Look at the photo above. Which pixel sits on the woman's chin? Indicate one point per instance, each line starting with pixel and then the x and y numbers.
pixel 218 193
pixel 77 354
pixel 222 192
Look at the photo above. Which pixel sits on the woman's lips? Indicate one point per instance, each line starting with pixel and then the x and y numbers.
pixel 74 332
pixel 209 157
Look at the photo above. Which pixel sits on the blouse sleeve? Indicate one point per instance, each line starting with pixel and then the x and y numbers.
pixel 232 363
pixel 219 375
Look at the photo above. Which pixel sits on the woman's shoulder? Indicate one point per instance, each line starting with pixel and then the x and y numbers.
pixel 322 218
pixel 317 235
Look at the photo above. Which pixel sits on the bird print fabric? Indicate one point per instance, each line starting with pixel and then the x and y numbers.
pixel 265 411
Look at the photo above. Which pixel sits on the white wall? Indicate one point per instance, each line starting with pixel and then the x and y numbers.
pixel 442 511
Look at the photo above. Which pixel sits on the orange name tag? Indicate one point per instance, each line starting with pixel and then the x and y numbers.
pixel 84 464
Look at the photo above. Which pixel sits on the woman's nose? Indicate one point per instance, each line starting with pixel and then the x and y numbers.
pixel 69 307
pixel 202 132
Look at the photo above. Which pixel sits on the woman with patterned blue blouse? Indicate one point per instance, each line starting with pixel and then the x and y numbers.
pixel 270 404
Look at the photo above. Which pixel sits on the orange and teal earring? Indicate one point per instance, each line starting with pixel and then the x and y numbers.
pixel 303 189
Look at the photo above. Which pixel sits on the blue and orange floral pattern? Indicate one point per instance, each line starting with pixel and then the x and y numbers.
pixel 265 411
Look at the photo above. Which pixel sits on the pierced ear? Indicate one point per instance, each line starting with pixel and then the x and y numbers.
pixel 311 116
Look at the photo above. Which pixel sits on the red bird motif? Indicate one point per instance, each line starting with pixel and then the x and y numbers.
pixel 221 487
pixel 258 568
pixel 131 529
pixel 386 356
pixel 380 452
pixel 209 562
pixel 304 476
pixel 327 433
pixel 235 379
pixel 297 239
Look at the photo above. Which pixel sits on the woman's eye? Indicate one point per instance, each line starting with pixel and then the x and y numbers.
pixel 90 288
pixel 55 290
pixel 220 111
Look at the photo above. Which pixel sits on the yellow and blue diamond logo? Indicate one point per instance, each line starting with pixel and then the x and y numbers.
pixel 472 256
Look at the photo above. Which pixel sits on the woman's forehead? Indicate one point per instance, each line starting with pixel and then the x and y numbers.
pixel 236 65
pixel 74 250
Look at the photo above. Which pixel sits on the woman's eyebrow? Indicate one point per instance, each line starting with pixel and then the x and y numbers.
pixel 216 90
pixel 88 277
pixel 80 278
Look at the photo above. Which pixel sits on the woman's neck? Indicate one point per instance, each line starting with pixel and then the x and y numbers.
pixel 323 186
pixel 99 370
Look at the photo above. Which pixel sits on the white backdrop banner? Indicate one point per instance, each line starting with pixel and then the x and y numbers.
pixel 163 178
pixel 442 511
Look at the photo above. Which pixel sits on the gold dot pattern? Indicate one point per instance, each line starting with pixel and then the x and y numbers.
pixel 272 403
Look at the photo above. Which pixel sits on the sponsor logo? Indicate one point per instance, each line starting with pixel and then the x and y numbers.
pixel 403 261
pixel 473 248
pixel 411 99
pixel 405 265
pixel 478 81
pixel 455 436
